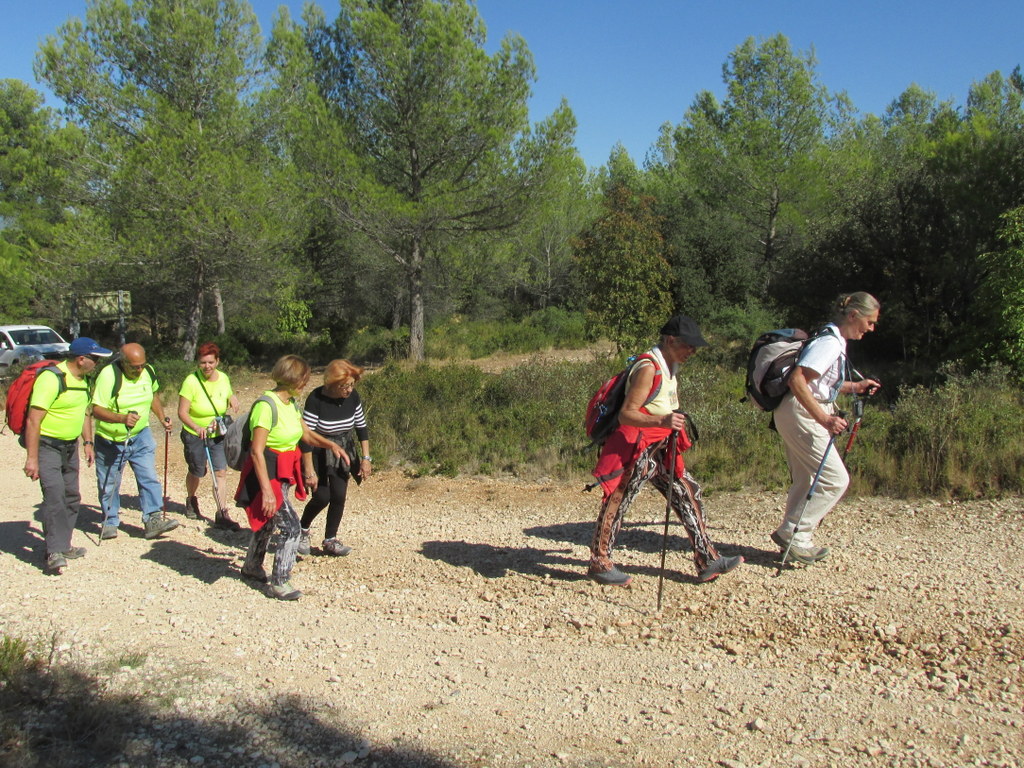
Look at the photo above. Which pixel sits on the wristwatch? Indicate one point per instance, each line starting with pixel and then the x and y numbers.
pixel 368 458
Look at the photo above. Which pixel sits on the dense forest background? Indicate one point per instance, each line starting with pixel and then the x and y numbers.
pixel 356 184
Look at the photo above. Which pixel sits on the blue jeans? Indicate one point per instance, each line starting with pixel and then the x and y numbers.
pixel 111 458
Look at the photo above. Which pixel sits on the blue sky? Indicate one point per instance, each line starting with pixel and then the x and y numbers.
pixel 628 66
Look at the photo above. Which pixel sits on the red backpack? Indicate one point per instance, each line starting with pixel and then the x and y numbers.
pixel 603 409
pixel 19 393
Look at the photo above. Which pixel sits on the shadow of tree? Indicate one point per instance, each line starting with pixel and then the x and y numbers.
pixel 62 716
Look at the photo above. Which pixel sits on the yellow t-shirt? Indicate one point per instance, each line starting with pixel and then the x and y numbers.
pixel 65 411
pixel 200 409
pixel 134 396
pixel 284 435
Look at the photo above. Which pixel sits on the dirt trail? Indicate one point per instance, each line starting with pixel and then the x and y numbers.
pixel 461 632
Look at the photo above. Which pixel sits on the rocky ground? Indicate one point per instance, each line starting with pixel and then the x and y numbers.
pixel 462 633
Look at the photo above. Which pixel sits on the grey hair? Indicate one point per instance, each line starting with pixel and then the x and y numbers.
pixel 860 302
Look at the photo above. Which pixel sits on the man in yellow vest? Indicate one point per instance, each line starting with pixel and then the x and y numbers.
pixel 122 400
pixel 57 414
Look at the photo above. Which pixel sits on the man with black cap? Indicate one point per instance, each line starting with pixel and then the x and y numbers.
pixel 638 451
pixel 56 419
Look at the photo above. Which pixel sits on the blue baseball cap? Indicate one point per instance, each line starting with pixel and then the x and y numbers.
pixel 83 345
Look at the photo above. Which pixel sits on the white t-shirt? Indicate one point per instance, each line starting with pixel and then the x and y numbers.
pixel 826 356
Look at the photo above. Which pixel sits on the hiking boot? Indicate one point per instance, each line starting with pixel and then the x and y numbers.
pixel 158 525
pixel 716 568
pixel 223 521
pixel 304 541
pixel 805 555
pixel 613 577
pixel 284 591
pixel 255 574
pixel 192 508
pixel 335 547
pixel 56 563
pixel 74 553
pixel 108 532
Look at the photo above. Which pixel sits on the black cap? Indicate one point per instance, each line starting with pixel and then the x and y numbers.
pixel 684 328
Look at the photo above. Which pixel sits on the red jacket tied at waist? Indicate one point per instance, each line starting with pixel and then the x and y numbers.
pixel 282 467
pixel 624 447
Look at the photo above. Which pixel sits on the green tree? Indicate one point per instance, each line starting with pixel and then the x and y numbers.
pixel 739 182
pixel 180 167
pixel 414 136
pixel 34 152
pixel 623 268
pixel 1002 295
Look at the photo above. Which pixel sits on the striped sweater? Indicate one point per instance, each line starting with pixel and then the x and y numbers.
pixel 334 416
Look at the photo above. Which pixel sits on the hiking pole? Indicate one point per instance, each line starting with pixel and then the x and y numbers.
pixel 858 414
pixel 810 494
pixel 213 474
pixel 167 448
pixel 673 447
pixel 120 468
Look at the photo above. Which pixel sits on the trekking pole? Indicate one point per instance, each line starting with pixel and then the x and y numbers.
pixel 213 474
pixel 673 447
pixel 858 414
pixel 810 494
pixel 120 468
pixel 167 448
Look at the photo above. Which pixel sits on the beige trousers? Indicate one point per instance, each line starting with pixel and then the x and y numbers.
pixel 805 441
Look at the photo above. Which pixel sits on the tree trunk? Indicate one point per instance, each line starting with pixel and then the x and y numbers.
pixel 416 302
pixel 194 317
pixel 218 307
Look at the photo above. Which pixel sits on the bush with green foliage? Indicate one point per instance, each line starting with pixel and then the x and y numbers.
pixel 958 438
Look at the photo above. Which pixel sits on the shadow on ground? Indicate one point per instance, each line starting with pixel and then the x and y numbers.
pixel 63 717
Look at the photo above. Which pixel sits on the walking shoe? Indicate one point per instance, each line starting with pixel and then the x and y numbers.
pixel 335 547
pixel 716 568
pixel 805 555
pixel 55 563
pixel 223 521
pixel 284 591
pixel 613 577
pixel 255 574
pixel 192 508
pixel 108 532
pixel 304 541
pixel 158 525
pixel 74 553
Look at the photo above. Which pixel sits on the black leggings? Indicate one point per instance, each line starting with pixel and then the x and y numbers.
pixel 329 493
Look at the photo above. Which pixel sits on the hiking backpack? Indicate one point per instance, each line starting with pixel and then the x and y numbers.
pixel 771 362
pixel 238 436
pixel 19 394
pixel 603 409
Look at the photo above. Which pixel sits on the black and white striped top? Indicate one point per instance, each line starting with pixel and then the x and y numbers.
pixel 334 416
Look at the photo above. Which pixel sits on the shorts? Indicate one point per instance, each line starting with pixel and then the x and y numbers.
pixel 195 454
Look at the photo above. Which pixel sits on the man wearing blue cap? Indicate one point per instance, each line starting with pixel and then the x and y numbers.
pixel 57 414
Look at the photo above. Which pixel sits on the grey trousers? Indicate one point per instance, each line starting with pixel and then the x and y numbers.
pixel 287 521
pixel 58 477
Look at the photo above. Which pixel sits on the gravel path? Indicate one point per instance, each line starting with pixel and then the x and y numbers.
pixel 460 632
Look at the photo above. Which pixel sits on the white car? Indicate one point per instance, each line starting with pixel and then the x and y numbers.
pixel 23 344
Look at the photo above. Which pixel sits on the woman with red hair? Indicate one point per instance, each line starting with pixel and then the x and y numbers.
pixel 204 399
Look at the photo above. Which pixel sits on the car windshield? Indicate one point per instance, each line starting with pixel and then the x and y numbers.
pixel 36 336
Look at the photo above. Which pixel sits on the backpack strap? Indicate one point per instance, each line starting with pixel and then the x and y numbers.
pixel 656 386
pixel 206 392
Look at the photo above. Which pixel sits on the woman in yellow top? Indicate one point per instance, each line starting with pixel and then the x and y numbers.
pixel 273 466
pixel 204 399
